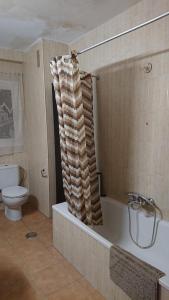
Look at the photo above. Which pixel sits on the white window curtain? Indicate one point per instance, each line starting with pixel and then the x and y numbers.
pixel 11 113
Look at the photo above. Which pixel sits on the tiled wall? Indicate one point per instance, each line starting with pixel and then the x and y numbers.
pixel 50 50
pixel 39 122
pixel 38 116
pixel 132 105
pixel 36 127
pixel 134 135
pixel 147 40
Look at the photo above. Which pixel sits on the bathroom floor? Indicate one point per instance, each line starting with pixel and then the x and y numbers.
pixel 34 269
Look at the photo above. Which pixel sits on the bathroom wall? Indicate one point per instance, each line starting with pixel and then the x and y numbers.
pixel 39 122
pixel 10 55
pixel 132 105
pixel 134 136
pixel 50 50
pixel 12 61
pixel 36 135
pixel 39 151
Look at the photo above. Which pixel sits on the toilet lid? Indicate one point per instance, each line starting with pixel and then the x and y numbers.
pixel 14 191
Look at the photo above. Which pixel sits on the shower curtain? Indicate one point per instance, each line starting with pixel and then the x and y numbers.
pixel 75 109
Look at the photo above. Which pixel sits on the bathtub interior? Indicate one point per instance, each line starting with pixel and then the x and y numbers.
pixel 116 230
pixel 116 224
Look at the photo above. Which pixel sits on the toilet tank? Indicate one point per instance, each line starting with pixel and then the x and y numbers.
pixel 9 175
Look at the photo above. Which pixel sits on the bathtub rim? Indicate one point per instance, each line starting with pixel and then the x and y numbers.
pixel 63 210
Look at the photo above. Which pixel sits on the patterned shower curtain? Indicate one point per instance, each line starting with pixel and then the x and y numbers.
pixel 75 110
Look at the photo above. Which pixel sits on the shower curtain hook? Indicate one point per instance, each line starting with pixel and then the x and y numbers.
pixel 148 68
pixel 74 55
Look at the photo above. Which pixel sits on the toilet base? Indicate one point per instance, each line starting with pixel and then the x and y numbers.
pixel 13 214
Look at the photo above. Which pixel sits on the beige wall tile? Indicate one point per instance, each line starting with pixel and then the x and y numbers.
pixel 133 129
pixel 39 117
pixel 36 126
pixel 50 50
pixel 132 105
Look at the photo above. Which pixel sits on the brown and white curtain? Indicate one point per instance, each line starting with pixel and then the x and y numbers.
pixel 75 109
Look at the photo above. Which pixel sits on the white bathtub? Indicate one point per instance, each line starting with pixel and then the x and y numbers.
pixel 80 244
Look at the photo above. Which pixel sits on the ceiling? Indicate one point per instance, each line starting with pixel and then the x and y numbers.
pixel 22 22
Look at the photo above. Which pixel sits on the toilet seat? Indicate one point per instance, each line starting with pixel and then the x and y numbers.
pixel 14 192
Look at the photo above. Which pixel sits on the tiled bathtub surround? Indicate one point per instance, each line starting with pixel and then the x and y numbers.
pixel 133 138
pixel 89 251
pixel 34 269
pixel 132 105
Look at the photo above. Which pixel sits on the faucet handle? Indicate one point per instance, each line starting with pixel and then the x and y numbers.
pixel 151 200
pixel 133 196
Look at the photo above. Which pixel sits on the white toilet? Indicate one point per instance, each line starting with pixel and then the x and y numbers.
pixel 13 195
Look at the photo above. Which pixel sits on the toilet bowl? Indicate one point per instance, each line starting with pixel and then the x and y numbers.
pixel 13 198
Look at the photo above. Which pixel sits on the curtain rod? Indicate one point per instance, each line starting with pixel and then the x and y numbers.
pixel 124 32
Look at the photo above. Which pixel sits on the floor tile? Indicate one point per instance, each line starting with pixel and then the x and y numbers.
pixel 75 291
pixel 36 261
pixel 31 219
pixel 34 269
pixel 11 277
pixel 57 255
pixel 54 278
pixel 23 292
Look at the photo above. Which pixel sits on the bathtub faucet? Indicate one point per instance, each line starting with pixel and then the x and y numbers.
pixel 141 203
pixel 139 200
